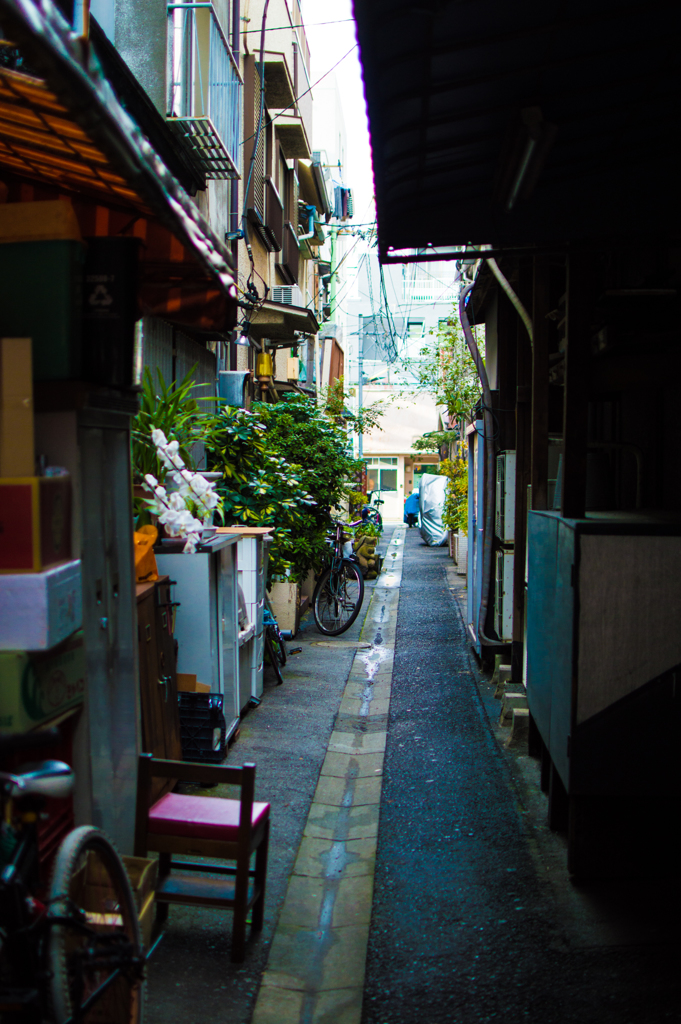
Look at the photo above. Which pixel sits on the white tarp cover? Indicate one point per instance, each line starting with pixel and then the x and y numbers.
pixel 431 502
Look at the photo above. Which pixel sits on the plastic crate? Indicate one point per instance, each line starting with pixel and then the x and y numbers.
pixel 203 730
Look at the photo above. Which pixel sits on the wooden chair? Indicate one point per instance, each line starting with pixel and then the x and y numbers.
pixel 205 826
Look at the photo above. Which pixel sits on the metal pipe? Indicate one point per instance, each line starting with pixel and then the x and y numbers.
pixel 311 211
pixel 488 529
pixel 520 309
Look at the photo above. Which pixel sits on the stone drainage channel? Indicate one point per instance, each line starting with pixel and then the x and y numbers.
pixel 315 971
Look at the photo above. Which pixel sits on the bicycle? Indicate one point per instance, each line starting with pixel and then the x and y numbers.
pixel 73 955
pixel 274 642
pixel 339 593
pixel 371 512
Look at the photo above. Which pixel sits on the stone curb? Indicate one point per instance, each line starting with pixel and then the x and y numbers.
pixel 315 971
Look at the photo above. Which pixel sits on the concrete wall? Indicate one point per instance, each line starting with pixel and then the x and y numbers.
pixel 140 38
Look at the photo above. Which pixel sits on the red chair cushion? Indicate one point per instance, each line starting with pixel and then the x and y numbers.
pixel 200 817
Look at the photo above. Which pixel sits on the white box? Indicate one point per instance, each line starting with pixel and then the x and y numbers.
pixel 256 612
pixel 40 609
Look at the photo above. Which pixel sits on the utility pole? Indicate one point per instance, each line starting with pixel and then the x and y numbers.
pixel 360 379
pixel 333 232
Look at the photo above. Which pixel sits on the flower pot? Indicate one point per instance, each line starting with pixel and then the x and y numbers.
pixel 461 553
pixel 285 601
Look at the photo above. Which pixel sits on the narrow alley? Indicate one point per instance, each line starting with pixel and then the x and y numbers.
pixel 473 916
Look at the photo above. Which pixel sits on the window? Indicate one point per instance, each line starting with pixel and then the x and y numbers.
pixel 388 480
pixel 379 476
pixel 415 328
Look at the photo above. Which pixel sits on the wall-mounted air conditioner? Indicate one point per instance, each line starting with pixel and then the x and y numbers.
pixel 505 497
pixel 287 295
pixel 503 596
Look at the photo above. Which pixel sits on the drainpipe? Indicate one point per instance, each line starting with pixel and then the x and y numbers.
pixel 360 390
pixel 519 308
pixel 490 474
pixel 488 528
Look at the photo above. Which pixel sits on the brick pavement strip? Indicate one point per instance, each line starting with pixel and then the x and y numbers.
pixel 315 972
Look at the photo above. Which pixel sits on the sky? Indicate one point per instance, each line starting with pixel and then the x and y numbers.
pixel 329 43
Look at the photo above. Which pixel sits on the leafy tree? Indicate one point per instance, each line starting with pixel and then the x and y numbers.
pixel 446 370
pixel 433 440
pixel 258 488
pixel 365 419
pixel 455 511
pixel 286 465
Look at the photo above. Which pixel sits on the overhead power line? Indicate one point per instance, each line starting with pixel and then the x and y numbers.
pixel 312 24
pixel 295 102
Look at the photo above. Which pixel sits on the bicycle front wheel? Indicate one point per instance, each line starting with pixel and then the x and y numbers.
pixel 279 649
pixel 338 598
pixel 271 647
pixel 95 952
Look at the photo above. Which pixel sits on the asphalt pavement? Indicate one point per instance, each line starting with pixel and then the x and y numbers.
pixel 474 916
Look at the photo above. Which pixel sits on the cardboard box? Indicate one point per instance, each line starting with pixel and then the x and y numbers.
pixel 39 610
pixel 35 522
pixel 37 687
pixel 17 448
pixel 187 683
pixel 99 901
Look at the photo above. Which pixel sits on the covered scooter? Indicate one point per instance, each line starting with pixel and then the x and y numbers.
pixel 431 503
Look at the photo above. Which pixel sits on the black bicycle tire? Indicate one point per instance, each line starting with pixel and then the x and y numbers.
pixel 77 844
pixel 318 590
pixel 280 650
pixel 273 659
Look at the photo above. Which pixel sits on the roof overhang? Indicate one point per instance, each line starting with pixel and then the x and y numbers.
pixel 279 322
pixel 66 135
pixel 521 123
pixel 313 187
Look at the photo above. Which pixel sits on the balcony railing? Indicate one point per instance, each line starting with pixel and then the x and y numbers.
pixel 204 103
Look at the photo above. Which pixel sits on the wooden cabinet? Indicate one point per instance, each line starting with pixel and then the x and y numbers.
pixel 158 676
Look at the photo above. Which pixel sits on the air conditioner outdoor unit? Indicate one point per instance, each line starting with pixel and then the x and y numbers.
pixel 505 497
pixel 503 596
pixel 287 295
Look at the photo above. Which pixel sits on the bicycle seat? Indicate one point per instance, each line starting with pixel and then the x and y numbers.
pixel 44 778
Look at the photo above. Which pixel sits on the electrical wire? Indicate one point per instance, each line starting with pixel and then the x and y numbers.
pixel 298 98
pixel 312 24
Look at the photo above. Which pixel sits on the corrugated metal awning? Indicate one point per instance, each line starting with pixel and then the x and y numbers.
pixel 512 123
pixel 64 135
